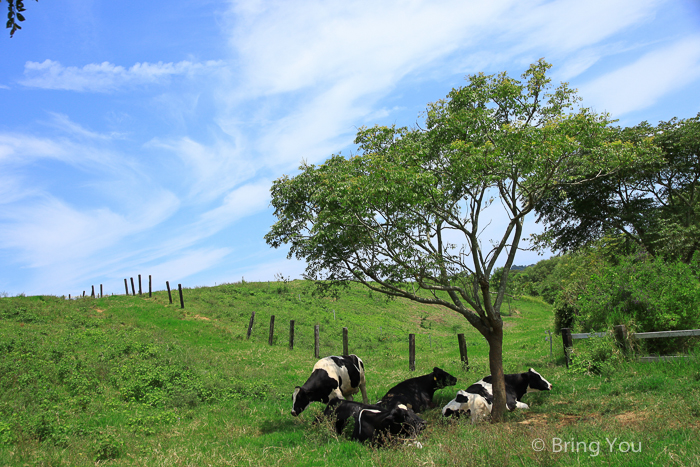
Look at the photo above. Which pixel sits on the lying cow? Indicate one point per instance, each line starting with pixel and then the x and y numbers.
pixel 472 405
pixel 417 393
pixel 332 377
pixel 517 385
pixel 377 424
pixel 409 424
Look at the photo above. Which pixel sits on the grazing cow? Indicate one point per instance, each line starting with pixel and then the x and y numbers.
pixel 343 410
pixel 332 377
pixel 417 393
pixel 472 405
pixel 517 385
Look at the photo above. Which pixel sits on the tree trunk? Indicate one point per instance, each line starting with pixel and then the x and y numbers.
pixel 495 341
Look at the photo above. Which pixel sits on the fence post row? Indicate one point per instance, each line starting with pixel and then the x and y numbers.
pixel 317 342
pixel 345 342
pixel 250 325
pixel 621 336
pixel 291 335
pixel 272 329
pixel 463 350
pixel 568 343
pixel 182 300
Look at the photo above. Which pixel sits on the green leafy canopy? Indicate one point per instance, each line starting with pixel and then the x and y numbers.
pixel 391 215
pixel 405 215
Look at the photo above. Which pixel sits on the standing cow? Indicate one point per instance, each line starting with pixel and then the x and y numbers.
pixel 332 377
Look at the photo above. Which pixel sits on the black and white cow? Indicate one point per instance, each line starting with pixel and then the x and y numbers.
pixel 332 377
pixel 517 385
pixel 377 424
pixel 475 406
pixel 417 393
pixel 344 410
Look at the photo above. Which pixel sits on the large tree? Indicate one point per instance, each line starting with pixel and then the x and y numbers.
pixel 404 216
pixel 654 204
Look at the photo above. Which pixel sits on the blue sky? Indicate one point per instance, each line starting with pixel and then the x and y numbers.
pixel 142 138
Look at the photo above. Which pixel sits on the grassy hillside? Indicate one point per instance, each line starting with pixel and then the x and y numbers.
pixel 137 381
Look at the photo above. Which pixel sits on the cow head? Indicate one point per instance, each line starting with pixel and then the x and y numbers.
pixel 537 382
pixel 443 379
pixel 412 424
pixel 300 400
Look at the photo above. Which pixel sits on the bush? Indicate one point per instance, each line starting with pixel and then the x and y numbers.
pixel 596 356
pixel 644 294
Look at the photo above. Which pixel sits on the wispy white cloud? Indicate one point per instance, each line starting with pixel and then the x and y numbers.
pixel 50 231
pixel 185 264
pixel 66 125
pixel 210 170
pixel 642 83
pixel 105 76
pixel 313 71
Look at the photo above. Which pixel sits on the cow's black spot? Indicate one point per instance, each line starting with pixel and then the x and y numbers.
pixel 339 361
pixel 353 371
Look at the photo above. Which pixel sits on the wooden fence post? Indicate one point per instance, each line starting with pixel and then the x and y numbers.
pixel 317 342
pixel 250 325
pixel 170 296
pixel 272 329
pixel 93 292
pixel 101 291
pixel 133 289
pixel 182 300
pixel 345 341
pixel 621 336
pixel 463 350
pixel 126 286
pixel 139 284
pixel 150 287
pixel 568 343
pixel 291 334
pixel 412 352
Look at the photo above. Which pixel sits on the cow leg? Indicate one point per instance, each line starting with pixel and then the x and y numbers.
pixel 511 403
pixel 364 392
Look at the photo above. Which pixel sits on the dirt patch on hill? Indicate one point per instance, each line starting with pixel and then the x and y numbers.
pixel 631 418
pixel 535 419
pixel 560 420
pixel 203 318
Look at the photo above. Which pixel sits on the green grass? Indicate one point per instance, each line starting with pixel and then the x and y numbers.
pixel 136 381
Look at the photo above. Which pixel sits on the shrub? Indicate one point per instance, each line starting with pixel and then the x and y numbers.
pixel 596 356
